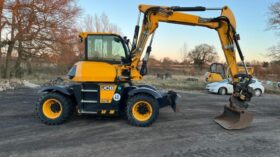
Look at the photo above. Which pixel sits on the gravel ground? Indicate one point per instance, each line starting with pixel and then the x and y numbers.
pixel 189 132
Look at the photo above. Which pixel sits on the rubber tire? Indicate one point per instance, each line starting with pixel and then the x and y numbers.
pixel 140 97
pixel 220 92
pixel 259 91
pixel 67 106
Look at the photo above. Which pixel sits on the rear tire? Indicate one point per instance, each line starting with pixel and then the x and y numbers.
pixel 142 110
pixel 54 108
pixel 222 91
pixel 257 92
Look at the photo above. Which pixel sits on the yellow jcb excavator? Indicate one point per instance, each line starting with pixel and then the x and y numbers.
pixel 102 81
pixel 218 72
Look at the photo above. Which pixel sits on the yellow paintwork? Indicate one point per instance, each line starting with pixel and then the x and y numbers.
pixel 112 112
pixel 135 74
pixel 103 111
pixel 242 70
pixel 214 77
pixel 89 71
pixel 142 117
pixel 107 92
pixel 47 109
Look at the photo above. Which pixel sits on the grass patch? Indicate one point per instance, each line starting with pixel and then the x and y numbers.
pixel 272 91
pixel 176 82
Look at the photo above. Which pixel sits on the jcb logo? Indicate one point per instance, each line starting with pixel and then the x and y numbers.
pixel 108 88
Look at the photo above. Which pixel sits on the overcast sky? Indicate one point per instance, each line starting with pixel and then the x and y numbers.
pixel 251 17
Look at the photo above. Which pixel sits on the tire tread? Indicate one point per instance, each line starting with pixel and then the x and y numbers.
pixel 132 101
pixel 66 103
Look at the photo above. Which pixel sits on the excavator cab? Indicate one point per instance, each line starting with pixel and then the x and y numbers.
pixel 216 73
pixel 218 68
pixel 110 48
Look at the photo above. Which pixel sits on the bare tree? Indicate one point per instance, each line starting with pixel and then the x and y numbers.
pixel 184 53
pixel 274 16
pixel 203 54
pixel 274 24
pixel 274 52
pixel 43 30
pixel 166 62
pixel 98 23
pixel 34 27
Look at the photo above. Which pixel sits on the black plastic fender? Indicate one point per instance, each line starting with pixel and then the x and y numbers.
pixel 60 89
pixel 145 90
pixel 164 98
pixel 148 86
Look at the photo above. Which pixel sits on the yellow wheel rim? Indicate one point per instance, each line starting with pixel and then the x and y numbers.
pixel 142 111
pixel 52 108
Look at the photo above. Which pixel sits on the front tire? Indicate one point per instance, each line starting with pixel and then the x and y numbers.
pixel 222 91
pixel 54 108
pixel 142 110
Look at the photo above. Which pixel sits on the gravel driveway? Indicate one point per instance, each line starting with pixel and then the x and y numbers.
pixel 189 132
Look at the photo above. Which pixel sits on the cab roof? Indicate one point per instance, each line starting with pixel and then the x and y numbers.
pixel 85 34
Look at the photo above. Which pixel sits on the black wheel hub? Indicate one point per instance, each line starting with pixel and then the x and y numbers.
pixel 142 109
pixel 55 107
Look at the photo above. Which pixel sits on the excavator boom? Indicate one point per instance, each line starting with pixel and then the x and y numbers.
pixel 235 115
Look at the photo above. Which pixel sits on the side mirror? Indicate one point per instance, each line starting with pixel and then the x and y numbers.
pixel 126 40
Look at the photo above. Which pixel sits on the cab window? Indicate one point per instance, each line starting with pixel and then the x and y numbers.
pixel 217 68
pixel 105 48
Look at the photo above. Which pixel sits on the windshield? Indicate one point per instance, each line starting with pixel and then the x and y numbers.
pixel 105 48
pixel 217 68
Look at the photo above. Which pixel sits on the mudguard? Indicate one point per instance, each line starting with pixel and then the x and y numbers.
pixel 148 86
pixel 146 90
pixel 164 98
pixel 60 89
